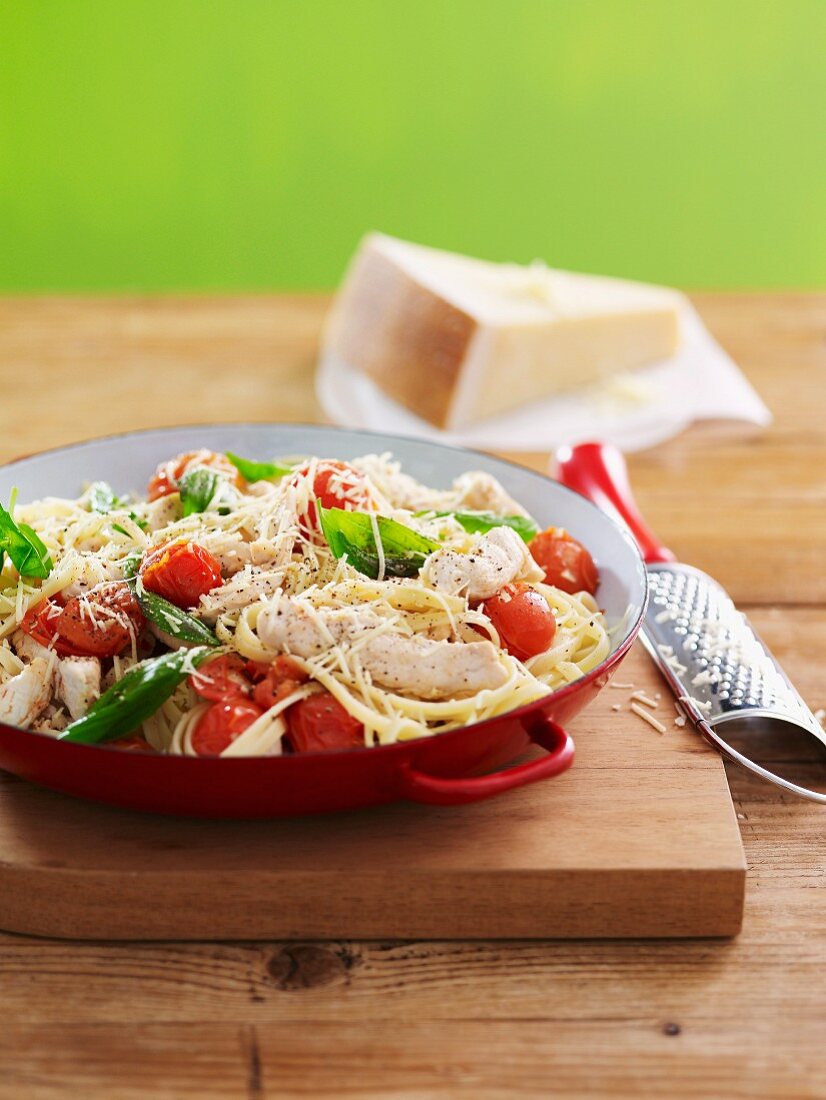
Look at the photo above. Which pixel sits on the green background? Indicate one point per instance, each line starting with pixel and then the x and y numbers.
pixel 244 144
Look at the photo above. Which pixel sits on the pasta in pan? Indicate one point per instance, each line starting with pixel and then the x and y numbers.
pixel 250 608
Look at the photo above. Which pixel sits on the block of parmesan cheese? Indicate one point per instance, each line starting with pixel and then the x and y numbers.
pixel 456 340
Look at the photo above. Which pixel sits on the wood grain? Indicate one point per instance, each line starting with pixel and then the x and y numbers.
pixel 705 1019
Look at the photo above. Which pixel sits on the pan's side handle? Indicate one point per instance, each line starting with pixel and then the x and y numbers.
pixel 598 471
pixel 418 786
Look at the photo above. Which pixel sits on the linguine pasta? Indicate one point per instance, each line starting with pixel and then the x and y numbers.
pixel 374 592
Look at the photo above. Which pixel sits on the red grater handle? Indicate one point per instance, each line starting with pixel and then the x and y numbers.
pixel 598 471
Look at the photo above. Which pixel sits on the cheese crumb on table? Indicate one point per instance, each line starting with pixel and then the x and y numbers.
pixel 641 697
pixel 647 716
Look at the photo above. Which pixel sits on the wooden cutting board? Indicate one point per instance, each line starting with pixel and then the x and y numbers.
pixel 638 839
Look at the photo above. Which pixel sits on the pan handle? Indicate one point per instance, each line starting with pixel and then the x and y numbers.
pixel 598 471
pixel 439 791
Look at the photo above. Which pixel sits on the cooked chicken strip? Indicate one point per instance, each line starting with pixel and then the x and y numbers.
pixel 247 586
pixel 78 683
pixel 26 647
pixel 26 695
pixel 498 558
pixel 232 551
pixel 297 626
pixel 481 492
pixel 229 548
pixel 54 719
pixel 474 491
pixel 91 571
pixel 429 669
pixel 163 511
pixel 416 665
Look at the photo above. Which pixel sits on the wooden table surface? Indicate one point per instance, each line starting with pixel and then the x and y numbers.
pixel 741 1018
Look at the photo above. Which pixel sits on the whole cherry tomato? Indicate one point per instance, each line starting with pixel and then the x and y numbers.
pixel 221 725
pixel 523 619
pixel 181 572
pixel 320 723
pixel 165 479
pixel 41 623
pixel 133 743
pixel 222 679
pixel 101 623
pixel 336 485
pixel 566 562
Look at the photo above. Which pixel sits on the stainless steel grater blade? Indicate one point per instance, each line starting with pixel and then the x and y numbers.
pixel 713 659
pixel 716 664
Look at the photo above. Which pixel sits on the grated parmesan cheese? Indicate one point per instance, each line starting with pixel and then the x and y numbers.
pixel 670 660
pixel 266 551
pixel 647 716
pixel 641 697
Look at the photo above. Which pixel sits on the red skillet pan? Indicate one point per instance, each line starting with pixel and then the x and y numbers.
pixel 452 768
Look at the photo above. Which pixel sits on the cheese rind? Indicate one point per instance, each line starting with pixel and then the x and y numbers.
pixel 456 340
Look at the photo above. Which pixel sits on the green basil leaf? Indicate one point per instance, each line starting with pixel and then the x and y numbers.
pixel 352 533
pixel 171 619
pixel 25 550
pixel 37 562
pixel 198 489
pixel 480 522
pixel 136 697
pixel 131 565
pixel 251 470
pixel 102 499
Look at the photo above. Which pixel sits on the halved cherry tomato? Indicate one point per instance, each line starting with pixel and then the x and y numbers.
pixel 230 678
pixel 256 670
pixel 168 474
pixel 133 743
pixel 525 622
pixel 336 485
pixel 320 723
pixel 181 572
pixel 100 624
pixel 566 562
pixel 222 679
pixel 221 725
pixel 41 622
pixel 281 679
pixel 108 627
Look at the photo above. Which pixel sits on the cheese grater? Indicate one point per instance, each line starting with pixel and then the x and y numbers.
pixel 722 674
